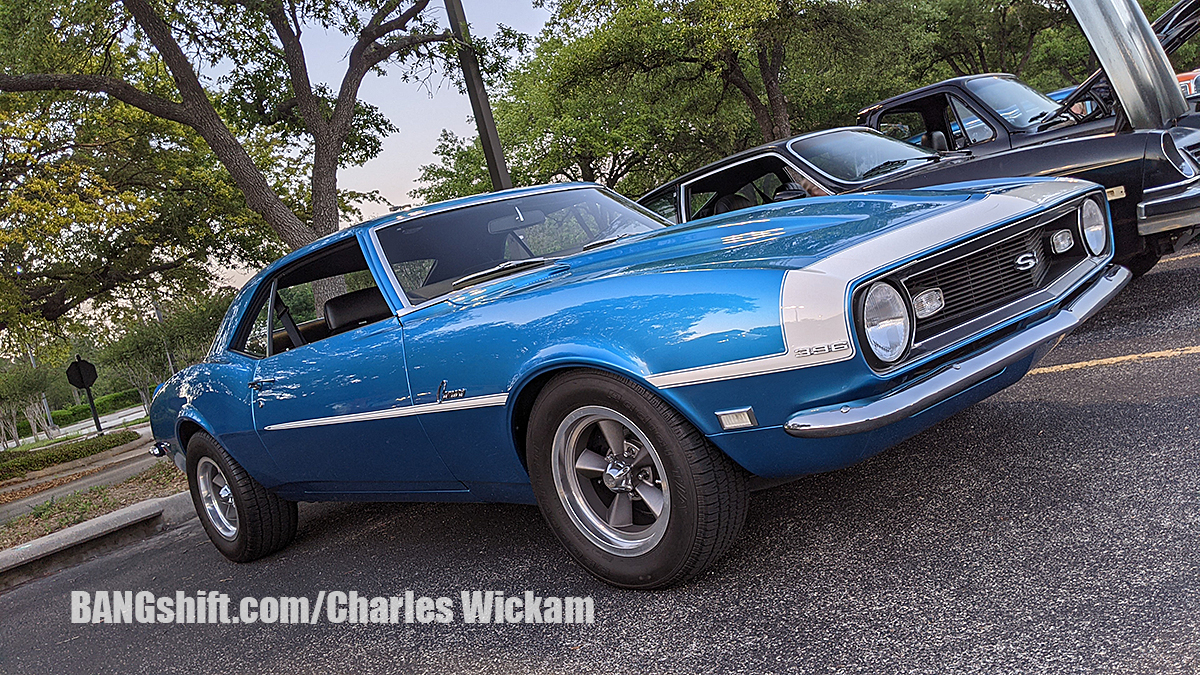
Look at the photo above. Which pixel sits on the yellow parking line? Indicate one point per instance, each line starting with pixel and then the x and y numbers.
pixel 1165 354
pixel 1183 257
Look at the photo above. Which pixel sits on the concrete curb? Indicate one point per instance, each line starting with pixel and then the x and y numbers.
pixel 86 540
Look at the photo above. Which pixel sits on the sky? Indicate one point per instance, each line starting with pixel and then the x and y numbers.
pixel 419 111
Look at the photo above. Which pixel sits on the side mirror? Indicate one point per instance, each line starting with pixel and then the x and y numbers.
pixel 937 142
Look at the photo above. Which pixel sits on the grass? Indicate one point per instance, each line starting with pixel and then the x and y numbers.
pixel 160 480
pixel 23 462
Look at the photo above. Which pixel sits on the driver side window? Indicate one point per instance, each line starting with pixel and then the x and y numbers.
pixel 328 294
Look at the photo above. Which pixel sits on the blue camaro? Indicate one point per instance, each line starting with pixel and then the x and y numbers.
pixel 561 345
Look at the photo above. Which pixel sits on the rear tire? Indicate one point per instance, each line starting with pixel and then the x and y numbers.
pixel 653 512
pixel 243 520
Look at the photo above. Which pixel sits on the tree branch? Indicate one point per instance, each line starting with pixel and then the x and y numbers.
pixel 117 88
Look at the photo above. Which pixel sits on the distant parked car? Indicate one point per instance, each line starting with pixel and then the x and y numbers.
pixel 561 345
pixel 1156 203
pixel 1152 183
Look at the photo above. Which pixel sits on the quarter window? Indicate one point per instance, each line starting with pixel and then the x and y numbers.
pixel 977 131
pixel 906 126
pixel 665 207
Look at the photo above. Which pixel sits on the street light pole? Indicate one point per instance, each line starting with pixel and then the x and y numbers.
pixel 480 106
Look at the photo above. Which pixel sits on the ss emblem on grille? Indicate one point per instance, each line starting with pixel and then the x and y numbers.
pixel 1026 261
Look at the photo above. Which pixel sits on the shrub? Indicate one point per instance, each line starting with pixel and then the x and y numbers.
pixel 64 452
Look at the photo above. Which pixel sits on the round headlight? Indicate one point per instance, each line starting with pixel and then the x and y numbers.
pixel 886 322
pixel 1095 229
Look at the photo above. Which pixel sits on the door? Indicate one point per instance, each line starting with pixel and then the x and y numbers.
pixel 331 400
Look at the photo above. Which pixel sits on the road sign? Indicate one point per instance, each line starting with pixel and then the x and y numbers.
pixel 81 374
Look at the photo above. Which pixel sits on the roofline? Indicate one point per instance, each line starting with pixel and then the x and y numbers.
pixel 782 145
pixel 412 213
pixel 929 87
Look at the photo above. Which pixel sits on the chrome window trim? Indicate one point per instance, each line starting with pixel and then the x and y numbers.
pixel 1183 184
pixel 835 179
pixel 971 109
pixel 683 187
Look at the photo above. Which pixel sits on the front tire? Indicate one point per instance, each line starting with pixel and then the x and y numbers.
pixel 633 491
pixel 243 520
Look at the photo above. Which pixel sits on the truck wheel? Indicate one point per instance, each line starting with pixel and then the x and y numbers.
pixel 243 520
pixel 632 490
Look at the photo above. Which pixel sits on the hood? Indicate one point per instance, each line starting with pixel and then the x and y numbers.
pixel 1133 59
pixel 1177 25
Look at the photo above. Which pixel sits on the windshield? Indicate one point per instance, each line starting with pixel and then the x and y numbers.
pixel 857 155
pixel 1013 100
pixel 430 253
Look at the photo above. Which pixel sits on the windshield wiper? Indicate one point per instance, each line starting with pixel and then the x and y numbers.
pixel 896 164
pixel 603 242
pixel 503 269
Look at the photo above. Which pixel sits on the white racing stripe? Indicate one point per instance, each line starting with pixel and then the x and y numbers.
pixel 423 409
pixel 813 299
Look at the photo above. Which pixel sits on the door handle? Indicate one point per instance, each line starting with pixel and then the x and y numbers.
pixel 257 385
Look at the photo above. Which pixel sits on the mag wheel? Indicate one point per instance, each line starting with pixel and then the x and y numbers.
pixel 611 481
pixel 633 491
pixel 243 520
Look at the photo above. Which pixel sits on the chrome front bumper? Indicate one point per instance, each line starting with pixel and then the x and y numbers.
pixel 868 414
pixel 1171 212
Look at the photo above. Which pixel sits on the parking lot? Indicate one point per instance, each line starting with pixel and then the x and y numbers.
pixel 1052 528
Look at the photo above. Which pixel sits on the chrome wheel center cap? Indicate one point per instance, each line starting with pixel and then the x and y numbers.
pixel 618 477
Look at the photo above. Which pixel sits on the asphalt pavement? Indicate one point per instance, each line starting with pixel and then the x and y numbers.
pixel 1054 528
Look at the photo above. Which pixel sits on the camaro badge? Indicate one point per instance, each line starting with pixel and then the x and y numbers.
pixel 444 394
pixel 1026 261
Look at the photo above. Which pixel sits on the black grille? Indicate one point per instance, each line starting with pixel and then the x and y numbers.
pixel 982 280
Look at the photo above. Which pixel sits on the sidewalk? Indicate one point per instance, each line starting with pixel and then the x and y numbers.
pixel 108 422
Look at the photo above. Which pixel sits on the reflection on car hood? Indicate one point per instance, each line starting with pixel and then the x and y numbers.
pixel 1135 63
pixel 795 234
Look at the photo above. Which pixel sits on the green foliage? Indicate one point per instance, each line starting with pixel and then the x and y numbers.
pixel 144 350
pixel 104 405
pixel 24 462
pixel 631 93
pixel 96 196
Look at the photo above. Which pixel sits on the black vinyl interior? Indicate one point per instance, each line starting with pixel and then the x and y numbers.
pixel 354 309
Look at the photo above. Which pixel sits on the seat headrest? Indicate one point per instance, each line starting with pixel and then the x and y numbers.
pixel 788 191
pixel 731 202
pixel 355 309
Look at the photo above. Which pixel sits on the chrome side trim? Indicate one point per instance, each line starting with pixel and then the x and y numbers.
pixel 1170 187
pixel 869 414
pixel 423 409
